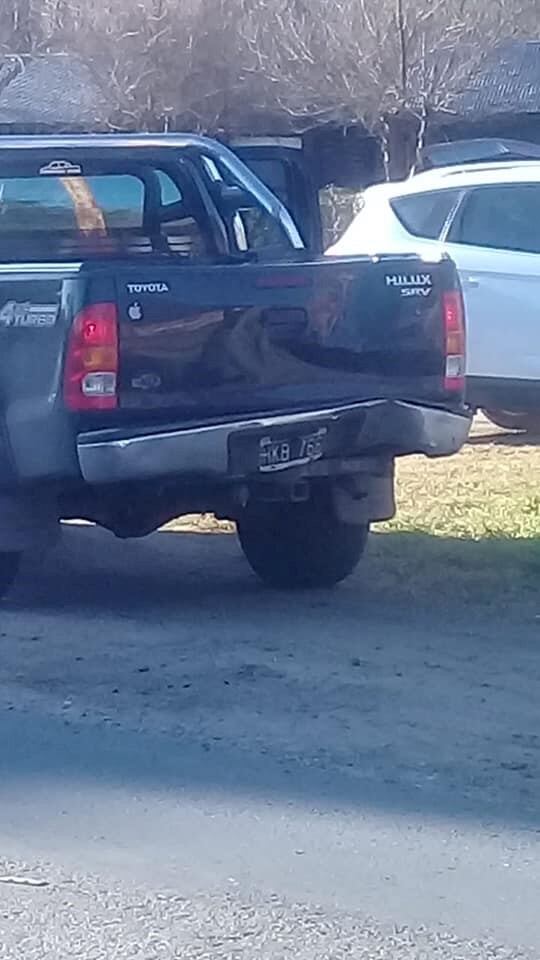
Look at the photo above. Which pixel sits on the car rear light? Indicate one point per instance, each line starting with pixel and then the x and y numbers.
pixel 454 334
pixel 91 367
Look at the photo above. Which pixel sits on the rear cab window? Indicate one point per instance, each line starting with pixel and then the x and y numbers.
pixel 63 211
pixel 426 214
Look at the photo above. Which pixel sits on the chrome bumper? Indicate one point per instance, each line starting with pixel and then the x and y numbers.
pixel 393 425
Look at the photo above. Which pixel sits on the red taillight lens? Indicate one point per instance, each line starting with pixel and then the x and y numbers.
pixel 454 336
pixel 91 368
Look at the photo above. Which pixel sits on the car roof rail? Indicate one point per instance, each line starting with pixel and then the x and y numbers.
pixel 482 151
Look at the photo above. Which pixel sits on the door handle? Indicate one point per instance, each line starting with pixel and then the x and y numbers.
pixel 472 282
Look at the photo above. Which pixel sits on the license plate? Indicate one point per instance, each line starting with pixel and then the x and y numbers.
pixel 282 453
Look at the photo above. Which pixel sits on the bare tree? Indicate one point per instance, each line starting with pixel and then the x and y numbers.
pixel 158 60
pixel 211 65
pixel 30 26
pixel 167 62
pixel 391 64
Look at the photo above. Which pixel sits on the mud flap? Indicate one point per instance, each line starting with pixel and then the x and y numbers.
pixel 365 498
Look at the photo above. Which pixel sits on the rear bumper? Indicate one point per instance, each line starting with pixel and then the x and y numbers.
pixel 393 426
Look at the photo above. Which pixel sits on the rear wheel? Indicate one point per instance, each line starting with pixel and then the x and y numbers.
pixel 9 568
pixel 508 420
pixel 300 545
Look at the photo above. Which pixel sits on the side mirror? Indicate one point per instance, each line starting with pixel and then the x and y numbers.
pixel 234 198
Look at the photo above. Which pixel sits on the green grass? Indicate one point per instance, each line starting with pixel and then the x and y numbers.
pixel 467 529
pixel 489 490
pixel 466 533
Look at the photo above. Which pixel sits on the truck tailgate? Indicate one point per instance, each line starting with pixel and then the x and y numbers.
pixel 240 338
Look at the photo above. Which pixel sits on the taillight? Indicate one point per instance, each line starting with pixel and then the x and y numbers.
pixel 91 367
pixel 454 334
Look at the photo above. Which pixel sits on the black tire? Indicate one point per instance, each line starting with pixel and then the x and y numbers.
pixel 9 568
pixel 300 545
pixel 508 420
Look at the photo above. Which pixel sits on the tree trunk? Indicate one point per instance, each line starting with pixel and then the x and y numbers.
pixel 399 136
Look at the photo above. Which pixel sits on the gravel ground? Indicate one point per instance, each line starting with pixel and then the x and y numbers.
pixel 77 917
pixel 200 768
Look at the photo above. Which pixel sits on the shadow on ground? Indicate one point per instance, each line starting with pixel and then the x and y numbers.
pixel 504 439
pixel 415 686
pixel 174 572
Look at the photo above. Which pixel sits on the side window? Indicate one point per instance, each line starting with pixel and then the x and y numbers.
pixel 274 174
pixel 503 217
pixel 180 224
pixel 425 214
pixel 262 230
pixel 250 224
pixel 169 190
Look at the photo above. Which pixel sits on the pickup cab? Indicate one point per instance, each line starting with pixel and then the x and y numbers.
pixel 170 345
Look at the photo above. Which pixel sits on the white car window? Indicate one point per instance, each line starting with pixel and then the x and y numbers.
pixel 425 214
pixel 503 217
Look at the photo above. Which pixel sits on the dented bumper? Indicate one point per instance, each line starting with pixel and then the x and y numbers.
pixel 228 450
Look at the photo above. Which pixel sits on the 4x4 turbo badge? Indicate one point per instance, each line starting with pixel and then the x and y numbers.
pixel 34 315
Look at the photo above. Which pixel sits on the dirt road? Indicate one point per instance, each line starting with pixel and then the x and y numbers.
pixel 198 767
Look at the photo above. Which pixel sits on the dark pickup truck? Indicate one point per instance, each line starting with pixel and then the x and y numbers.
pixel 169 345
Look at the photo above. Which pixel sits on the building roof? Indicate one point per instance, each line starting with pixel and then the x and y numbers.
pixel 507 82
pixel 62 92
pixel 56 91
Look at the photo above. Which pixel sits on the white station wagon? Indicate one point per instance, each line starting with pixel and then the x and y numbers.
pixel 487 218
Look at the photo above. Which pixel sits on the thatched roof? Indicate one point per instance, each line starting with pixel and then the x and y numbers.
pixel 58 92
pixel 62 92
pixel 508 82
